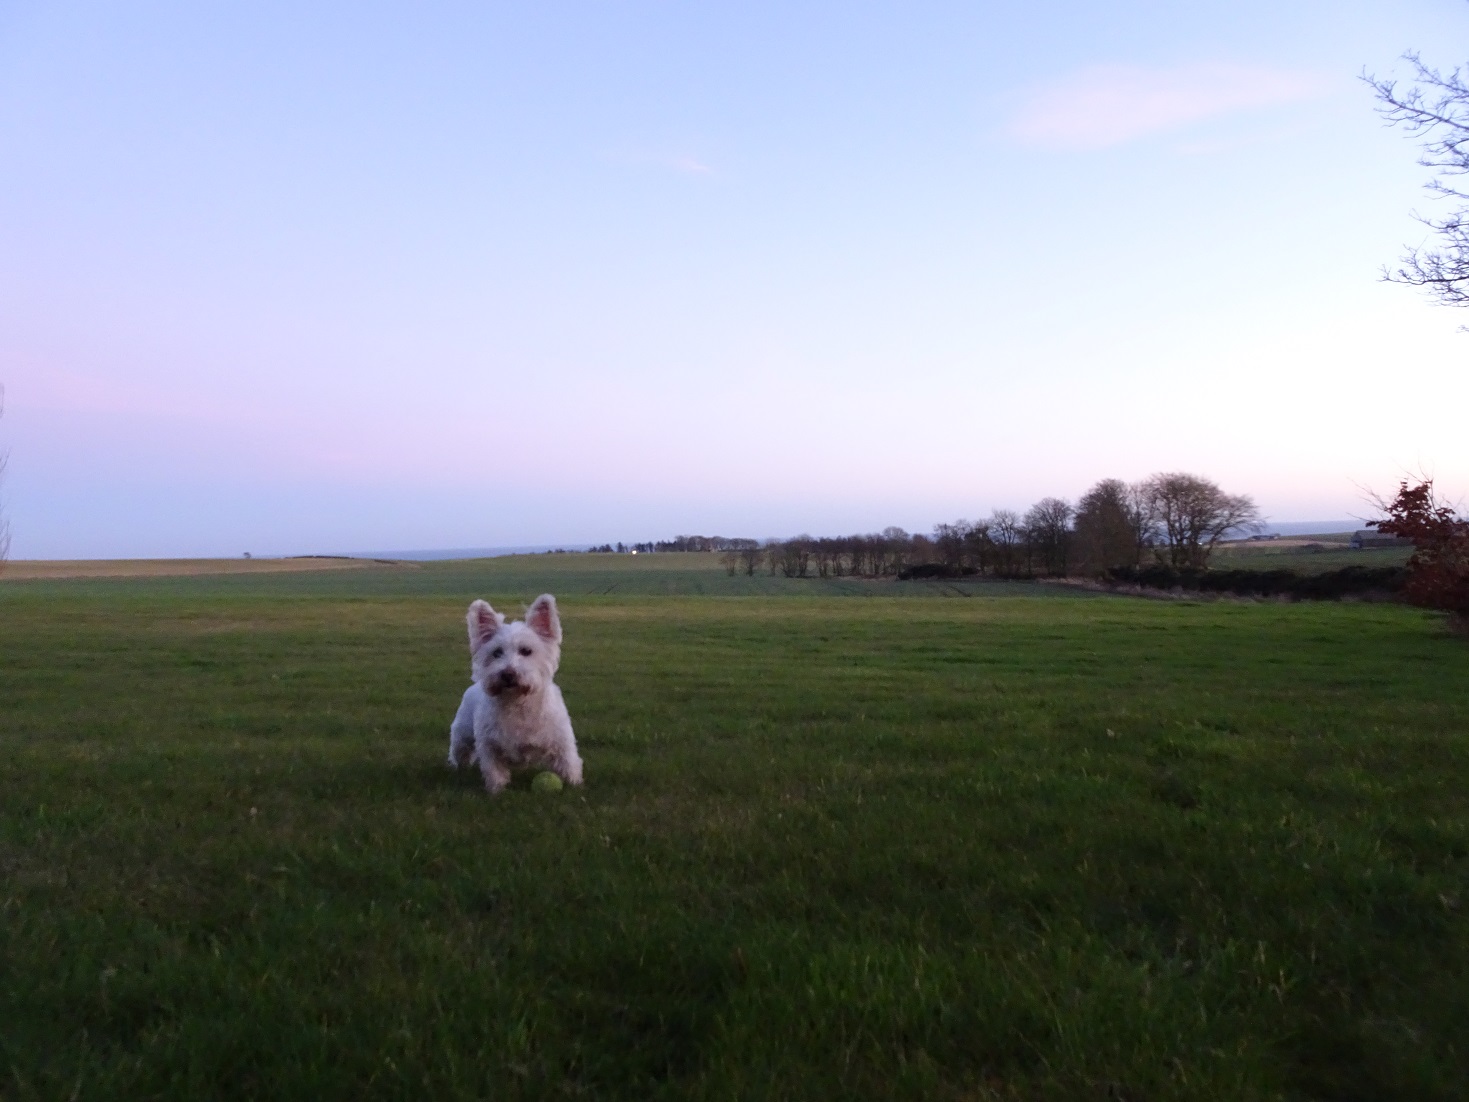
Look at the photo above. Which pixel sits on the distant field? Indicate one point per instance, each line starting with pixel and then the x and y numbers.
pixel 1007 847
pixel 518 577
pixel 53 569
pixel 1315 556
pixel 666 574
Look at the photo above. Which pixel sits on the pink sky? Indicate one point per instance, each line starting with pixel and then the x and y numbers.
pixel 284 280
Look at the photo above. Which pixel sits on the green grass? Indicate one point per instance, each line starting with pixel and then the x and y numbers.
pixel 1023 847
pixel 1306 560
pixel 524 576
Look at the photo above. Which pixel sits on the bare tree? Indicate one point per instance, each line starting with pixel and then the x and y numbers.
pixel 1142 516
pixel 750 554
pixel 1006 534
pixel 773 550
pixel 795 556
pixel 823 551
pixel 1114 525
pixel 948 542
pixel 921 549
pixel 1195 514
pixel 1435 106
pixel 896 546
pixel 1048 524
pixel 4 524
pixel 978 546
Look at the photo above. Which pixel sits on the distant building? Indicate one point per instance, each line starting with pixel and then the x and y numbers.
pixel 1371 537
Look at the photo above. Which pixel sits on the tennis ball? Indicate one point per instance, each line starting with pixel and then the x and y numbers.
pixel 546 782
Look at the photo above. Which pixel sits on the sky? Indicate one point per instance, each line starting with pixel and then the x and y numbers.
pixel 310 278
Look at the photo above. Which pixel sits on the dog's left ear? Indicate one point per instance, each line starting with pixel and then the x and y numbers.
pixel 542 618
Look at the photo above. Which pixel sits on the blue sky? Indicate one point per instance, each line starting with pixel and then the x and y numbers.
pixel 303 278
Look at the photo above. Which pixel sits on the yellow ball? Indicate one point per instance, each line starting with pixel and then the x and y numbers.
pixel 546 782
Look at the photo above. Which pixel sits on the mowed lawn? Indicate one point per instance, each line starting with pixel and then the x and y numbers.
pixel 989 847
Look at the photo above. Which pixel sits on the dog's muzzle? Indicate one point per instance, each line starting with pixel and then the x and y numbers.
pixel 504 682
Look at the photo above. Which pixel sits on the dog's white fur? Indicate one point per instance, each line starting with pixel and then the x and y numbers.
pixel 513 715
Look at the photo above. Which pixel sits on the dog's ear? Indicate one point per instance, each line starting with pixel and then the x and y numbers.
pixel 542 618
pixel 483 622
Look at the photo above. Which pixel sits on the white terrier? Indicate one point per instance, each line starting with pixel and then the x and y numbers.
pixel 513 715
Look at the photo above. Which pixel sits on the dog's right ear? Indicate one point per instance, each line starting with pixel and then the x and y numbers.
pixel 483 623
pixel 543 619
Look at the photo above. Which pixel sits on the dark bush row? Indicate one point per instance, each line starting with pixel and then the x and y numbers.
pixel 1329 586
pixel 937 570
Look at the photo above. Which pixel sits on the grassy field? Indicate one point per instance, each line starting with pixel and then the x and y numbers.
pixel 1020 844
pixel 53 569
pixel 1316 557
pixel 521 577
pixel 1305 554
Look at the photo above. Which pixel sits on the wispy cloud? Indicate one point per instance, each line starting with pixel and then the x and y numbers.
pixel 685 164
pixel 1106 105
pixel 690 165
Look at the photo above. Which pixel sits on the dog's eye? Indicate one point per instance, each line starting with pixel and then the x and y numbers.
pixel 497 652
pixel 525 651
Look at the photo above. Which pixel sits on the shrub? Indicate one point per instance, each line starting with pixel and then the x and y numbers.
pixel 1438 572
pixel 1330 586
pixel 936 570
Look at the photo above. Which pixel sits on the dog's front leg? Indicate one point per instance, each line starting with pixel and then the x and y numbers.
pixel 568 766
pixel 461 744
pixel 496 772
pixel 461 731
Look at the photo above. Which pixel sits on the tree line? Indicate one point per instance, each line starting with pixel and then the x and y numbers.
pixel 1174 518
pixel 678 543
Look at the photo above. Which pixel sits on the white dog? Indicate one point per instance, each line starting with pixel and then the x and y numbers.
pixel 513 715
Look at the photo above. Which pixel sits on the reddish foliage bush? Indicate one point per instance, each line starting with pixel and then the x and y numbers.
pixel 1438 572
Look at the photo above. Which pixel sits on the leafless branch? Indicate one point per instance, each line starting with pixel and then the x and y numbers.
pixel 1436 106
